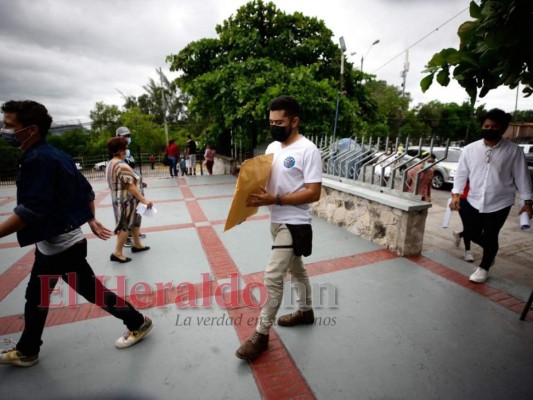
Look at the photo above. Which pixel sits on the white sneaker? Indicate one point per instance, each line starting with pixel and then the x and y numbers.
pixel 457 238
pixel 130 338
pixel 469 257
pixel 480 275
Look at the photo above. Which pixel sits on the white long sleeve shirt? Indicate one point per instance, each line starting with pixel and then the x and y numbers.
pixel 495 174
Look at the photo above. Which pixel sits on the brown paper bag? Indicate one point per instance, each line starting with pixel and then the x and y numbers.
pixel 254 173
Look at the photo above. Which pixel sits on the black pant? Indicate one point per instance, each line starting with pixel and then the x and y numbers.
pixel 483 229
pixel 69 264
pixel 465 234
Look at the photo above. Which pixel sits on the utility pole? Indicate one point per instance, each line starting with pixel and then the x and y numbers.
pixel 516 108
pixel 404 72
pixel 164 106
pixel 343 49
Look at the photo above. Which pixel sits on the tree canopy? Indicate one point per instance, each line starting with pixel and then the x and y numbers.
pixel 495 50
pixel 261 53
pixel 392 106
pixel 226 83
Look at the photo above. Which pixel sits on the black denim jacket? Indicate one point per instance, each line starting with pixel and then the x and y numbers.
pixel 53 197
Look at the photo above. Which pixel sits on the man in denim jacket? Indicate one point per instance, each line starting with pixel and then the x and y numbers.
pixel 53 200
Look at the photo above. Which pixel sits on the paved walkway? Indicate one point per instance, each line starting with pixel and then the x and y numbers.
pixel 515 256
pixel 387 327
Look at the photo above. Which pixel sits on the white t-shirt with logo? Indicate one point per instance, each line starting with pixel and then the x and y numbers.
pixel 293 166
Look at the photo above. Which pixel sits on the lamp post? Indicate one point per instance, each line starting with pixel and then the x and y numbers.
pixel 370 47
pixel 163 105
pixel 343 49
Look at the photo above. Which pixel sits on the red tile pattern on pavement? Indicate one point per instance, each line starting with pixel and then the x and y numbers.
pixel 15 274
pixel 493 294
pixel 276 373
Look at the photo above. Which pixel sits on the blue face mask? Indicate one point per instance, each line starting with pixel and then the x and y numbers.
pixel 129 140
pixel 128 153
pixel 10 136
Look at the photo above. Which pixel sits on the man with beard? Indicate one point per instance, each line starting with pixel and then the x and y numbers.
pixel 295 181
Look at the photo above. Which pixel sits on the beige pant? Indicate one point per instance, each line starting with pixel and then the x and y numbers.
pixel 282 260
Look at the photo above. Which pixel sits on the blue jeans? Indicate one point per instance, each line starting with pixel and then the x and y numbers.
pixel 172 166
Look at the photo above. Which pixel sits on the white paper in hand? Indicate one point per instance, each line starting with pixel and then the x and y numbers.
pixel 447 214
pixel 146 212
pixel 525 223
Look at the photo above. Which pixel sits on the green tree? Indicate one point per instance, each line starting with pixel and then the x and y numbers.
pixel 73 142
pixel 454 121
pixel 146 134
pixel 523 116
pixel 105 118
pixel 163 97
pixel 443 121
pixel 429 116
pixel 259 54
pixel 413 127
pixel 392 107
pixel 495 49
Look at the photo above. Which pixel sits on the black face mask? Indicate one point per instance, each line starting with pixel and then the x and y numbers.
pixel 491 134
pixel 280 133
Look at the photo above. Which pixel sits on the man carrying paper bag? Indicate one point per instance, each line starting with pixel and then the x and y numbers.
pixel 294 181
pixel 252 177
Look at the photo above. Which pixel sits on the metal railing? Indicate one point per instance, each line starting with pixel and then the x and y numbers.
pixel 377 164
pixel 92 166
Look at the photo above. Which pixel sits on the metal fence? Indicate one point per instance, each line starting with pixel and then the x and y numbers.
pixel 381 163
pixel 92 165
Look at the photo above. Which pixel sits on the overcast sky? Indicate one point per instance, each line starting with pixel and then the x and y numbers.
pixel 70 54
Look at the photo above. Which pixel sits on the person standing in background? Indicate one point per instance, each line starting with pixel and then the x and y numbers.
pixel 425 178
pixel 191 156
pixel 209 157
pixel 172 152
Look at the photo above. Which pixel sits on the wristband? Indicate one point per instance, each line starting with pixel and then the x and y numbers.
pixel 278 200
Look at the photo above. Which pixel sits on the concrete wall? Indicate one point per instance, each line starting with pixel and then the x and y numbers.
pixel 223 166
pixel 390 219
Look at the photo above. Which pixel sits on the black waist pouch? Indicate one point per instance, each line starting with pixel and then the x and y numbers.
pixel 302 239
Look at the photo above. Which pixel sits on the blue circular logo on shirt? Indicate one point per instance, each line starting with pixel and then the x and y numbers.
pixel 289 162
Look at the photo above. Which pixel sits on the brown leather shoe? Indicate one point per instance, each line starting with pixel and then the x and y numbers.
pixel 297 318
pixel 253 346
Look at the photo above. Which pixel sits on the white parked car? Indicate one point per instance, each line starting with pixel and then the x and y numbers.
pixel 528 148
pixel 528 151
pixel 100 166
